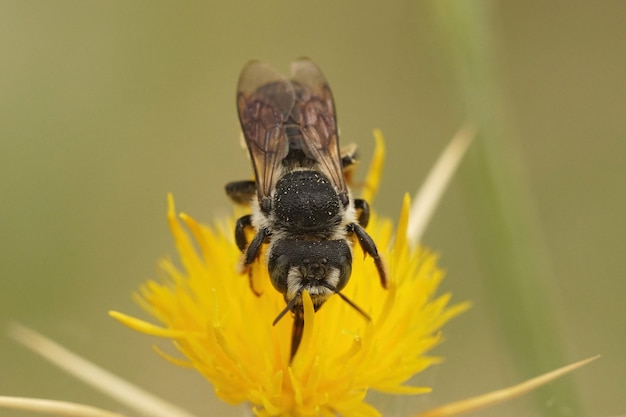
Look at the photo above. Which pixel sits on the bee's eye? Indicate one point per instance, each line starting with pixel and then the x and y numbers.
pixel 278 267
pixel 345 269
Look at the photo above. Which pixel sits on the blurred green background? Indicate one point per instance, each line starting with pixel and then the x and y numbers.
pixel 107 106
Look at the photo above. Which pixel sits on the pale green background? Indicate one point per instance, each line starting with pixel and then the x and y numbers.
pixel 107 106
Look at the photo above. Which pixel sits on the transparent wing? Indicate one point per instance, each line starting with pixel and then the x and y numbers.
pixel 314 111
pixel 265 99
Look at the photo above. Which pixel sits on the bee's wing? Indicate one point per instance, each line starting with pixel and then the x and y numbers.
pixel 314 111
pixel 265 100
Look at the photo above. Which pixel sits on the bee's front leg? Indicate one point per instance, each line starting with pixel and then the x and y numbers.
pixel 251 251
pixel 254 248
pixel 369 247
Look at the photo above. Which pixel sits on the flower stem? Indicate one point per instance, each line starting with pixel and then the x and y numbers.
pixel 518 277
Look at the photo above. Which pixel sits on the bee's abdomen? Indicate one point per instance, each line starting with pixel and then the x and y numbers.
pixel 305 202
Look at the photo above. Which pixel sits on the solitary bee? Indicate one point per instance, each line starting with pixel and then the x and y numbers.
pixel 303 209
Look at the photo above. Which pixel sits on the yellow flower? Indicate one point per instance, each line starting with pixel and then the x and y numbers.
pixel 340 359
pixel 207 308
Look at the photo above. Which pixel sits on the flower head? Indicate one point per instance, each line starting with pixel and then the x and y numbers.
pixel 224 328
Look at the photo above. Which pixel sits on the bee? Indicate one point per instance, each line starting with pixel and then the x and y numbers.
pixel 303 209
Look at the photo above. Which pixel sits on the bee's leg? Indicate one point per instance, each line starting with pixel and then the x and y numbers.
pixel 240 231
pixel 348 162
pixel 363 209
pixel 254 248
pixel 251 252
pixel 241 192
pixel 349 155
pixel 369 247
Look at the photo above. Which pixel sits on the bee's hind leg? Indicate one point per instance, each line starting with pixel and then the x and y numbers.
pixel 241 192
pixel 363 210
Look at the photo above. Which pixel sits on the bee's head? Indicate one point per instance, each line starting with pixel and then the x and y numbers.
pixel 320 267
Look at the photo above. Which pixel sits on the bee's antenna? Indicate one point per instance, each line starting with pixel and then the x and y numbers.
pixel 288 307
pixel 346 299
